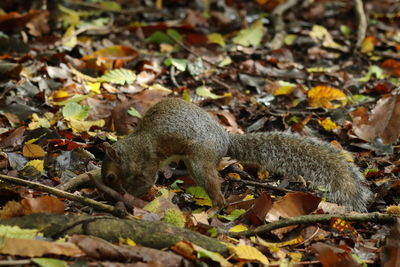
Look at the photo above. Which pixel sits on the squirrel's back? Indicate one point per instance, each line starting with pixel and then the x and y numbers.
pixel 318 162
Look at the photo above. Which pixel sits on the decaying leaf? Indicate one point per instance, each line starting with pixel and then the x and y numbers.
pixel 37 248
pixel 383 122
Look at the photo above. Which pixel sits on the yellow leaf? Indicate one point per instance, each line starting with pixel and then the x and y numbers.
pixel 238 228
pixel 248 197
pixel 127 241
pixel 36 163
pixel 321 35
pixel 233 175
pixel 328 124
pixel 216 38
pixel 95 87
pixel 284 88
pixel 38 122
pixel 246 252
pixel 368 44
pixel 321 97
pixel 83 126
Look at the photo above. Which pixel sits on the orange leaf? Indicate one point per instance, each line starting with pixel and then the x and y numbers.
pixel 391 67
pixel 321 97
pixel 368 44
pixel 342 225
pixel 45 204
pixel 33 151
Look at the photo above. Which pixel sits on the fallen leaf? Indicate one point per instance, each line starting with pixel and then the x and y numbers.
pixel 37 248
pixel 33 151
pixel 383 122
pixel 45 204
pixel 321 97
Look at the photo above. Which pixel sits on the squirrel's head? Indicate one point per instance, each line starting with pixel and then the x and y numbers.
pixel 130 173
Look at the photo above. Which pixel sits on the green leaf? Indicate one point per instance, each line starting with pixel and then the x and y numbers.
pixel 180 64
pixel 200 195
pixel 134 113
pixel 251 36
pixel 345 30
pixel 110 6
pixel 174 34
pixel 175 184
pixel 48 262
pixel 74 99
pixel 159 38
pixel 162 38
pixel 359 99
pixel 373 70
pixel 233 215
pixel 16 232
pixel 76 111
pixel 119 76
pixel 205 92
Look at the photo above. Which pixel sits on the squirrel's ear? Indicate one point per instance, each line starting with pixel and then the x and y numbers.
pixel 110 152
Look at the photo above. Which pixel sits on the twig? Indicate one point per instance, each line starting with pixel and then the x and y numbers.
pixel 316 218
pixel 44 188
pixel 15 262
pixel 181 44
pixel 362 22
pixel 172 75
pixel 130 11
pixel 226 86
pixel 127 199
pixel 279 24
pixel 78 180
pixel 249 182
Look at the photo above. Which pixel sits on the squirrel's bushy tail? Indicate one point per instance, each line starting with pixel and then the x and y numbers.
pixel 318 162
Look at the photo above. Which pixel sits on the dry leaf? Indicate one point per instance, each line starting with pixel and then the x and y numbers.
pixel 33 151
pixel 383 122
pixel 37 248
pixel 45 204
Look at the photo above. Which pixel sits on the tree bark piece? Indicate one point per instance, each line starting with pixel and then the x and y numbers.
pixel 151 234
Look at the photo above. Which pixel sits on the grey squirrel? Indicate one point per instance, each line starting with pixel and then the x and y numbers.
pixel 175 129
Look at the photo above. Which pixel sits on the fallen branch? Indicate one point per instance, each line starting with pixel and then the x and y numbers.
pixel 316 218
pixel 362 22
pixel 153 234
pixel 57 192
pixel 279 24
pixel 78 180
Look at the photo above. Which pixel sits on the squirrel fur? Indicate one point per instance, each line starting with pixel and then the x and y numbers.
pixel 175 129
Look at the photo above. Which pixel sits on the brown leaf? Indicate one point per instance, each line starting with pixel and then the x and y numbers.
pixel 383 122
pixel 13 139
pixel 33 151
pixel 102 250
pixel 261 207
pixel 45 204
pixel 291 205
pixel 37 248
pixel 333 256
pixel 390 255
pixel 392 67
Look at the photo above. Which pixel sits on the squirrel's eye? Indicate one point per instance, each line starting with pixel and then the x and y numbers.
pixel 111 178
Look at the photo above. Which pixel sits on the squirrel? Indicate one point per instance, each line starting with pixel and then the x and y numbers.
pixel 174 129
